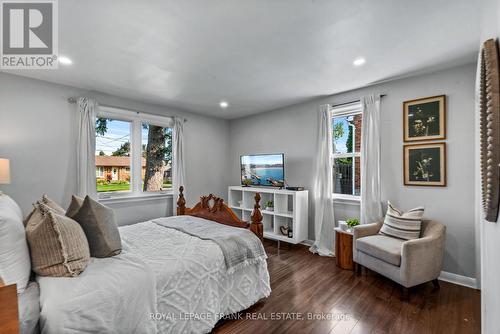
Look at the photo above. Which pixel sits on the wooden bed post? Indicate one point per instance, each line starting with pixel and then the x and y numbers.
pixel 181 202
pixel 256 224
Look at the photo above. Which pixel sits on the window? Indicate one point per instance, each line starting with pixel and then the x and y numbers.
pixel 112 155
pixel 346 127
pixel 157 145
pixel 133 152
pixel 99 172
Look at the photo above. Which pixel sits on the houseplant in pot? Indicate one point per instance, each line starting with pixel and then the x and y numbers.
pixel 246 182
pixel 351 222
pixel 269 206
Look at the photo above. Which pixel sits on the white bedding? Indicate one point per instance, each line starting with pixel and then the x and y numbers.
pixel 193 289
pixel 113 295
pixel 174 283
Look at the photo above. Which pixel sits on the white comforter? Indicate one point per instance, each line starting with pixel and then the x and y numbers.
pixel 113 295
pixel 164 281
pixel 193 288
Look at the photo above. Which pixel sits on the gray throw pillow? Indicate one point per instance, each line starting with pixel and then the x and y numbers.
pixel 98 223
pixel 74 206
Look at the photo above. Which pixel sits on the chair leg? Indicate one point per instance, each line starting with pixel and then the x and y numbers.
pixel 357 268
pixel 435 282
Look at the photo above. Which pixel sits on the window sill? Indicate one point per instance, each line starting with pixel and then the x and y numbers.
pixel 134 197
pixel 346 199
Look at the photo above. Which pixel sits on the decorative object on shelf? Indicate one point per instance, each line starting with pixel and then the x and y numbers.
pixel 425 119
pixel 4 172
pixel 343 225
pixel 425 164
pixel 246 182
pixel 269 206
pixel 489 128
pixel 284 230
pixel 351 222
pixel 240 203
pixel 290 233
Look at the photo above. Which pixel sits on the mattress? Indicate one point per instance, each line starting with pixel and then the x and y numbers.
pixel 165 281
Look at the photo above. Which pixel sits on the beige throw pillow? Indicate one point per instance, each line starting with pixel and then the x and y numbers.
pixel 57 243
pixel 402 225
pixel 52 204
pixel 98 222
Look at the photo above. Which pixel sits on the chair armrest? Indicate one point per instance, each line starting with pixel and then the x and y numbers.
pixel 365 230
pixel 422 259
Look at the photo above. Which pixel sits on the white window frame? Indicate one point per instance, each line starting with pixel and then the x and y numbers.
pixel 350 109
pixel 136 119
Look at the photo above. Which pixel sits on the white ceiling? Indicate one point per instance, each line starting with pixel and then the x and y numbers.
pixel 256 54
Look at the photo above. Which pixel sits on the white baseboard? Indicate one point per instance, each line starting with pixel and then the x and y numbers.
pixel 458 279
pixel 307 242
pixel 445 276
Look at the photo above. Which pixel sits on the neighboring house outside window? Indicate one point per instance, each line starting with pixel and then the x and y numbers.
pixel 346 126
pixel 133 152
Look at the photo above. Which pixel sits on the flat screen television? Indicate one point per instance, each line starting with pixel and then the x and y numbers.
pixel 263 169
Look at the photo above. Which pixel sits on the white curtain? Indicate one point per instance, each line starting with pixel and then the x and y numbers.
pixel 85 151
pixel 178 168
pixel 324 221
pixel 371 205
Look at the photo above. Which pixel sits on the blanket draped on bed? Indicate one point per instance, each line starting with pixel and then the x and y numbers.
pixel 239 246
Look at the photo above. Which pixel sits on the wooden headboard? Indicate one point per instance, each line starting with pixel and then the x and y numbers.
pixel 213 208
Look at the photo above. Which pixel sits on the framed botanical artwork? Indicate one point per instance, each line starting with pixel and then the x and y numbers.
pixel 425 119
pixel 425 164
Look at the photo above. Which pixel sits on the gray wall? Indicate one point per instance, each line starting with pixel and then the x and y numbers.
pixel 292 130
pixel 38 133
pixel 489 232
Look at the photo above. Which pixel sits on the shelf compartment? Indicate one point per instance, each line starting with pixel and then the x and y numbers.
pixel 282 221
pixel 283 205
pixel 268 223
pixel 235 196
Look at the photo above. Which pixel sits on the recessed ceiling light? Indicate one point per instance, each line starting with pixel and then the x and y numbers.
pixel 223 104
pixel 359 61
pixel 65 60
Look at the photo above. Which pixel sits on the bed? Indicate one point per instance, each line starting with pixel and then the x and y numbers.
pixel 166 280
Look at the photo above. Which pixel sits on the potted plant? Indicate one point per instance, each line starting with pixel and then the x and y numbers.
pixel 247 182
pixel 351 222
pixel 269 206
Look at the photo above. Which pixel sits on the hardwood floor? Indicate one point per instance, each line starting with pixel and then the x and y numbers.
pixel 306 283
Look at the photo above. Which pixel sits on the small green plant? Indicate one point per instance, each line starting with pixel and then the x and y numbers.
pixel 351 222
pixel 269 204
pixel 247 182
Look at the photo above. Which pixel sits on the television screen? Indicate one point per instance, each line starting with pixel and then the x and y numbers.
pixel 263 170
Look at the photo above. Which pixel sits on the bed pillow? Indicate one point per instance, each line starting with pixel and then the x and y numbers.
pixel 74 206
pixel 57 243
pixel 402 225
pixel 52 204
pixel 15 265
pixel 98 222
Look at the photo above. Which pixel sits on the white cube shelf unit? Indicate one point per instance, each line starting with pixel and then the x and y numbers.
pixel 290 209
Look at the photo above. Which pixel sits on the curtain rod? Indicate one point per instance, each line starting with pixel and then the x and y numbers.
pixel 355 101
pixel 72 100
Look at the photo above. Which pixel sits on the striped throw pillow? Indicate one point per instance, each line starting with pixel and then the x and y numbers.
pixel 402 225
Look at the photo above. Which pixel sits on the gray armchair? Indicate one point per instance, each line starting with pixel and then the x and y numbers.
pixel 408 263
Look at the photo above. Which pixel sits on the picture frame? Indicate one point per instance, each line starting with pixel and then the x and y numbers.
pixel 424 164
pixel 424 119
